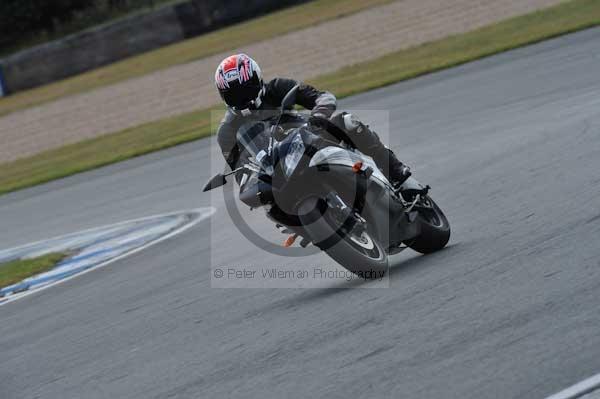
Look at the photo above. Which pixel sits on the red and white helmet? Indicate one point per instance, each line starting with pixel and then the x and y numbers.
pixel 239 81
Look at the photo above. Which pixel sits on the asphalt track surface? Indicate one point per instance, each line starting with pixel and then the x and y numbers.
pixel 511 146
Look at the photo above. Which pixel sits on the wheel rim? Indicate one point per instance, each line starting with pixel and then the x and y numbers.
pixel 361 241
pixel 364 240
pixel 430 213
pixel 365 245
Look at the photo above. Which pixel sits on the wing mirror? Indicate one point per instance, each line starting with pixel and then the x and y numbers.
pixel 217 181
pixel 288 102
pixel 290 98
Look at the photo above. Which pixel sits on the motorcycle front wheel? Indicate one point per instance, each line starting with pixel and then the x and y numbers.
pixel 357 250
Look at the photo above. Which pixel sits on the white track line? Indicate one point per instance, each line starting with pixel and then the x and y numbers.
pixel 205 213
pixel 581 388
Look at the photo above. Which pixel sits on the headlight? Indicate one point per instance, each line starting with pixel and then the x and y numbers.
pixel 265 162
pixel 293 156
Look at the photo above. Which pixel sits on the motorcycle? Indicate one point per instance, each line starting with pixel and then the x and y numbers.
pixel 319 188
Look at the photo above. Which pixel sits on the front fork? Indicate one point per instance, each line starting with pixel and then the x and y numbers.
pixel 351 221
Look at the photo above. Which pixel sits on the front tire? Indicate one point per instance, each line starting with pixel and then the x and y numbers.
pixel 359 252
pixel 435 228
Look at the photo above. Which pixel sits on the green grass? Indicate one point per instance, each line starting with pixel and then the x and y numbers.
pixel 104 150
pixel 459 49
pixel 455 50
pixel 252 31
pixel 17 270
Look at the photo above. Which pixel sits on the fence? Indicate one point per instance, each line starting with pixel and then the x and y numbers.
pixel 2 84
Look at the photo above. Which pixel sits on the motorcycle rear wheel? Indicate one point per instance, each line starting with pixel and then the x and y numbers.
pixel 435 229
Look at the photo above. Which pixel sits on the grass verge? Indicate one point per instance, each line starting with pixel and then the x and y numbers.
pixel 17 270
pixel 564 18
pixel 252 31
pixel 516 32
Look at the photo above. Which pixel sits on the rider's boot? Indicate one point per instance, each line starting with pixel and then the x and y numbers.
pixel 395 171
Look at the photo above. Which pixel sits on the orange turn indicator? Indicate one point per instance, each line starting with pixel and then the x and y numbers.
pixel 290 240
pixel 357 167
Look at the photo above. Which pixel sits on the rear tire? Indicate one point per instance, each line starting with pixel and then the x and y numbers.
pixel 435 229
pixel 361 254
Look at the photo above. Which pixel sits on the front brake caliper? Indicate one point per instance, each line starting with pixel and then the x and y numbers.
pixel 348 218
pixel 338 206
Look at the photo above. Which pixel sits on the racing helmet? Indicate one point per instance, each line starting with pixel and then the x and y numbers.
pixel 239 81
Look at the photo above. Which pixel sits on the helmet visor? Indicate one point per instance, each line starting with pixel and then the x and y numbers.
pixel 241 97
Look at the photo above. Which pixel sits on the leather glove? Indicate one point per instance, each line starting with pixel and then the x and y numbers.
pixel 318 120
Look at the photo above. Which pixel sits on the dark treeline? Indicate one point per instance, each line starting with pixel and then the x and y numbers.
pixel 25 22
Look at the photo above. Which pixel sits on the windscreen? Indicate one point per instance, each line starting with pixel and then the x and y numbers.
pixel 254 137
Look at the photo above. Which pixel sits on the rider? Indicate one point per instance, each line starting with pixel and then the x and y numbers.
pixel 239 81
